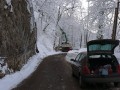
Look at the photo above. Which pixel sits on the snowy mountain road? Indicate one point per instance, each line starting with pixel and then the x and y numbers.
pixel 54 73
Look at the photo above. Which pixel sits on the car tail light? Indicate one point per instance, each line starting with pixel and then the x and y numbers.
pixel 85 70
pixel 118 69
pixel 110 70
pixel 69 49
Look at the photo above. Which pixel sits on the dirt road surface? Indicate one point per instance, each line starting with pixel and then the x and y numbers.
pixel 54 73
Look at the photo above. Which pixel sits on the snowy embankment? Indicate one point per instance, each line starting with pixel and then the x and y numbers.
pixel 118 57
pixel 10 81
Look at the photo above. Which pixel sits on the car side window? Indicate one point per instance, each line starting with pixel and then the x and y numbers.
pixel 83 56
pixel 79 57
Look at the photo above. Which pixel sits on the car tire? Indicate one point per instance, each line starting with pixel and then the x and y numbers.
pixel 116 84
pixel 81 82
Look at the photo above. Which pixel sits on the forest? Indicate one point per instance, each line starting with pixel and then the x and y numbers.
pixel 81 21
pixel 28 27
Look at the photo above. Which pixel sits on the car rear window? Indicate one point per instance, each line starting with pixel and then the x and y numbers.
pixel 96 47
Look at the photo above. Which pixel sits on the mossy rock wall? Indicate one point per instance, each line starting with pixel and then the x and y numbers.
pixel 17 40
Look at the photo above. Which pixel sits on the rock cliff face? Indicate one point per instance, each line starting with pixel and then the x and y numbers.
pixel 17 38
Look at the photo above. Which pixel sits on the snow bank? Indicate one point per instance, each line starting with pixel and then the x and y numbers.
pixel 45 48
pixel 10 81
pixel 118 57
pixel 44 44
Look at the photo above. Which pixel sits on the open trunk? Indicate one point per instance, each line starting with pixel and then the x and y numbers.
pixel 101 59
pixel 103 66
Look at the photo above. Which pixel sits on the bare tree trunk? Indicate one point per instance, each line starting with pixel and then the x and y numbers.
pixel 115 21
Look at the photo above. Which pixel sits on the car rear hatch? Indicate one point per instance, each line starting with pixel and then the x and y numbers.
pixel 105 46
pixel 101 58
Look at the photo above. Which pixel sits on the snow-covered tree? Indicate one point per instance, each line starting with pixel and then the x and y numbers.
pixel 101 17
pixel 61 15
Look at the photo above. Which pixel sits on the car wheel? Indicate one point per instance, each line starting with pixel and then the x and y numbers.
pixel 116 84
pixel 81 82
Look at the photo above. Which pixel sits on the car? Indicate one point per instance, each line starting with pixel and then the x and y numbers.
pixel 65 47
pixel 98 64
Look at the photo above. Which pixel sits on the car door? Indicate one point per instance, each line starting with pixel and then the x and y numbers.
pixel 77 64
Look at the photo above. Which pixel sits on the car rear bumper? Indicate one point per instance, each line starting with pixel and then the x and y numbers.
pixel 103 79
